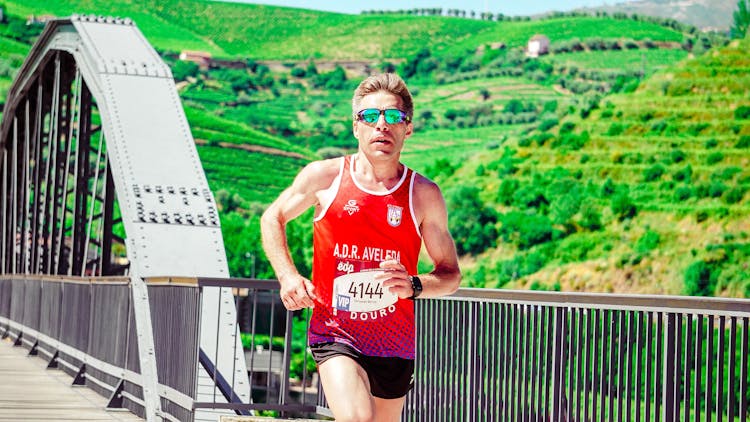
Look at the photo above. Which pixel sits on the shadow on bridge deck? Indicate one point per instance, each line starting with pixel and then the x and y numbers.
pixel 30 392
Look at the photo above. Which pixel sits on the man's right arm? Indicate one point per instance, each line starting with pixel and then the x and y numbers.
pixel 296 291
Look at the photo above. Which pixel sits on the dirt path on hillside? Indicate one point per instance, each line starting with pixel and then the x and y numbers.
pixel 255 148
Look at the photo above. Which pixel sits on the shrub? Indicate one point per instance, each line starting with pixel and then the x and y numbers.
pixel 622 206
pixel 716 189
pixel 653 173
pixel 734 195
pixel 714 157
pixel 743 142
pixel 711 143
pixel 615 129
pixel 591 218
pixel 507 190
pixel 678 156
pixel 699 279
pixel 742 112
pixel 548 124
pixel 682 193
pixel 684 174
pixel 526 230
pixel 648 242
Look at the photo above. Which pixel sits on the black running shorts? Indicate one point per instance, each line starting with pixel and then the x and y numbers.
pixel 390 378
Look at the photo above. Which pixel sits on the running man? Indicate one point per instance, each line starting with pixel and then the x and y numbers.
pixel 372 215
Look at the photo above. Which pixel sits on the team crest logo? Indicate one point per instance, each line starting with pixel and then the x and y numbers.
pixel 351 207
pixel 394 215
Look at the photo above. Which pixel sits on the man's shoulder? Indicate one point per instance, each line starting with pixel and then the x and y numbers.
pixel 424 184
pixel 324 168
pixel 319 175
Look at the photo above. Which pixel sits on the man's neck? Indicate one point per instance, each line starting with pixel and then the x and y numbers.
pixel 381 173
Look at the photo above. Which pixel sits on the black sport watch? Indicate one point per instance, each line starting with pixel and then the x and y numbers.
pixel 416 286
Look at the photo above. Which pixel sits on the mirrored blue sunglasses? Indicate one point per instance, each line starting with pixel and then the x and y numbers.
pixel 392 115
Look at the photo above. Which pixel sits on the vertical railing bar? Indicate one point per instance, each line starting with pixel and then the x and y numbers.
pixel 611 362
pixel 441 398
pixel 557 354
pixel 688 365
pixel 698 366
pixel 471 364
pixel 709 365
pixel 658 367
pixel 629 369
pixel 677 368
pixel 649 364
pixel 535 369
pixel 732 368
pixel 270 348
pixel 580 360
pixel 606 358
pixel 507 353
pixel 621 364
pixel 525 366
pixel 639 364
pixel 720 369
pixel 588 376
pixel 570 363
pixel 514 361
pixel 668 368
pixel 598 353
pixel 286 360
pixel 744 368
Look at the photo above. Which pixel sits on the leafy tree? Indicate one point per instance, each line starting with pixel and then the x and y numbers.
pixel 182 69
pixel 526 229
pixel 471 222
pixel 741 19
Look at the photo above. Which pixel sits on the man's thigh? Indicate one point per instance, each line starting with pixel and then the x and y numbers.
pixel 347 389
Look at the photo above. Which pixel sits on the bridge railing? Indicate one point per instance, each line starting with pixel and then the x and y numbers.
pixel 482 355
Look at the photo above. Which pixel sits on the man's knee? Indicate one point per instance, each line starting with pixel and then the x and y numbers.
pixel 360 414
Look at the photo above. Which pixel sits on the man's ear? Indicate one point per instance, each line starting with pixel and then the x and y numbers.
pixel 409 130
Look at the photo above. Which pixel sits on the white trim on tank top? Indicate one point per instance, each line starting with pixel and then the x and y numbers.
pixel 411 204
pixel 371 192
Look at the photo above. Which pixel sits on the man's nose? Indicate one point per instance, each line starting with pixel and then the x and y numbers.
pixel 381 123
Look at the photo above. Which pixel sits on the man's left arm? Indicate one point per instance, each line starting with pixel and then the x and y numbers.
pixel 432 214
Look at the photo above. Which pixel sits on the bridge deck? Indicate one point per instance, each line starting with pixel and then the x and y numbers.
pixel 30 392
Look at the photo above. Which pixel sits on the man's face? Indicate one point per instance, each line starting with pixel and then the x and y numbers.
pixel 381 139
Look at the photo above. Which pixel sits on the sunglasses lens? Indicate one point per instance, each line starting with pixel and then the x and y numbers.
pixel 393 116
pixel 370 115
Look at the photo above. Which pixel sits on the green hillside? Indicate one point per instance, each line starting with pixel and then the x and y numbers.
pixel 647 194
pixel 615 163
pixel 269 32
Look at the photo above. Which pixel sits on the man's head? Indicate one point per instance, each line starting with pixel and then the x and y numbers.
pixel 382 108
pixel 387 82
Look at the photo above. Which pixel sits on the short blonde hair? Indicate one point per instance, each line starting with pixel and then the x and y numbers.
pixel 388 82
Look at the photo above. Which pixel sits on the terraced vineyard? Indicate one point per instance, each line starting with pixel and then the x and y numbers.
pixel 675 154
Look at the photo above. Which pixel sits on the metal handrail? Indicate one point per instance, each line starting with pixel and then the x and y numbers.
pixel 482 355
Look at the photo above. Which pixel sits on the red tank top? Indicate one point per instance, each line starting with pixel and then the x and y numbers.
pixel 357 231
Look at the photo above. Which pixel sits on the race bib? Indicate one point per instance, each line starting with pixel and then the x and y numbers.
pixel 360 292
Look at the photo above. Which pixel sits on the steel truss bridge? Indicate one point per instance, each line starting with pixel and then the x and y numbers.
pixel 113 269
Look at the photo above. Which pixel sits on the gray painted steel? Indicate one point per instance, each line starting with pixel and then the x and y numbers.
pixel 168 212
